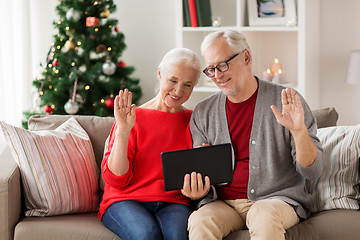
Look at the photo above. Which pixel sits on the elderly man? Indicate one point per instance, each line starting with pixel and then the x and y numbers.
pixel 275 151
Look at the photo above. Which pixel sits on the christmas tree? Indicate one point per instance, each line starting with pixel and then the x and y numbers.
pixel 84 69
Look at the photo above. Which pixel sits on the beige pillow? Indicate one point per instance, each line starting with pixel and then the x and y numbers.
pixel 58 168
pixel 98 128
pixel 326 117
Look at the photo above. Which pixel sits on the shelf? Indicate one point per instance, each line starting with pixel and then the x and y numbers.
pixel 296 47
pixel 242 29
pixel 206 29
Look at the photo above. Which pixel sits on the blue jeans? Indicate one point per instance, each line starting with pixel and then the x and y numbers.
pixel 148 220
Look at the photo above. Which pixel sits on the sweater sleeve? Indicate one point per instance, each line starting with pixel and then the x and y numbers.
pixel 198 128
pixel 313 171
pixel 197 133
pixel 110 178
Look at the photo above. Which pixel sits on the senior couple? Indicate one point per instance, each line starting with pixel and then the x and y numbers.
pixel 273 136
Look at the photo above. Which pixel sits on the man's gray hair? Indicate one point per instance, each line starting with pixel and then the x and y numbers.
pixel 236 40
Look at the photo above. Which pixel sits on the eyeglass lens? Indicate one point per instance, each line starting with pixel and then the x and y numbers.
pixel 222 67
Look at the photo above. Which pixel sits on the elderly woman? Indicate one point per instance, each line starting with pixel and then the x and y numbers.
pixel 135 204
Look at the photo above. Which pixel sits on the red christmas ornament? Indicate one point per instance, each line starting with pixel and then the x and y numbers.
pixel 92 22
pixel 121 64
pixel 92 37
pixel 110 103
pixel 55 62
pixel 48 109
pixel 116 29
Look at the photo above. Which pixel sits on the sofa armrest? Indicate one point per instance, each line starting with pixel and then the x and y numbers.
pixel 10 195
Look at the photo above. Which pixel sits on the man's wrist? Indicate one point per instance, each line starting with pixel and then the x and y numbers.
pixel 299 132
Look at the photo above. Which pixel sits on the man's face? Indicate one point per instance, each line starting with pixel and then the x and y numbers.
pixel 231 81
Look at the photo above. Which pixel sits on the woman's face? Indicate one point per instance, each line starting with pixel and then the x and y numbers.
pixel 176 86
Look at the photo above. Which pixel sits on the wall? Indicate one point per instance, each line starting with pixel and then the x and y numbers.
pixel 339 34
pixel 149 33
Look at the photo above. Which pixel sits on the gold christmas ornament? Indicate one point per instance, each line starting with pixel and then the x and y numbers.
pixel 70 44
pixel 105 13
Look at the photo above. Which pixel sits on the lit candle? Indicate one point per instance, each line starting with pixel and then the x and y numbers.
pixel 216 21
pixel 267 75
pixel 278 76
pixel 275 66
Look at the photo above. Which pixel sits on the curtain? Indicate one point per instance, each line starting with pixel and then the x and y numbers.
pixel 25 38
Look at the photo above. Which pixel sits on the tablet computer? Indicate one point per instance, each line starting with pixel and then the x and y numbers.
pixel 214 161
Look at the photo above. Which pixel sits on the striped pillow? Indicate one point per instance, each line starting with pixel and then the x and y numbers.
pixel 58 168
pixel 338 184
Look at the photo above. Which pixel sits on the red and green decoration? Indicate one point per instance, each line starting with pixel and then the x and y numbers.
pixel 84 67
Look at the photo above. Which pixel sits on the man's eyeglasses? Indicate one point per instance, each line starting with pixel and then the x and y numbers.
pixel 222 67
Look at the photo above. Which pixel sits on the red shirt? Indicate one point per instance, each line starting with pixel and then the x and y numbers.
pixel 154 132
pixel 239 118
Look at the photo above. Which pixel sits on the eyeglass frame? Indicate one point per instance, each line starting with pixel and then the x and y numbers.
pixel 217 65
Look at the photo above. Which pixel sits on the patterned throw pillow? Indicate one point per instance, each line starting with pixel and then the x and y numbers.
pixel 58 168
pixel 338 186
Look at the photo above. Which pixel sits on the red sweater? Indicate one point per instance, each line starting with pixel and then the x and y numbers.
pixel 154 132
pixel 240 117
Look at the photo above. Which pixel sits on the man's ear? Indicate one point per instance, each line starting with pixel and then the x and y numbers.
pixel 247 57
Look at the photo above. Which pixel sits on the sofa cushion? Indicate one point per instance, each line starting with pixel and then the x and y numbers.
pixel 327 225
pixel 338 185
pixel 58 168
pixel 326 117
pixel 98 128
pixel 74 227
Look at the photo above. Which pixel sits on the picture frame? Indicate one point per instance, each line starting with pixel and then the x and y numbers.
pixel 272 13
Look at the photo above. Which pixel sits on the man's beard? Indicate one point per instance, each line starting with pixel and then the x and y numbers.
pixel 230 91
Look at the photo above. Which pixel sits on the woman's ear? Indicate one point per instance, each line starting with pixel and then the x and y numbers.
pixel 159 73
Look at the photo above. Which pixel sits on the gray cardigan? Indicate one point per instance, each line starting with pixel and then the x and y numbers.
pixel 273 169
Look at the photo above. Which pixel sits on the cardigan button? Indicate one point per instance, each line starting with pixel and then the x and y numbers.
pixel 252 190
pixel 253 142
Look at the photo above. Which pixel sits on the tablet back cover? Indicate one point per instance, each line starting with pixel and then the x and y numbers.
pixel 214 161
